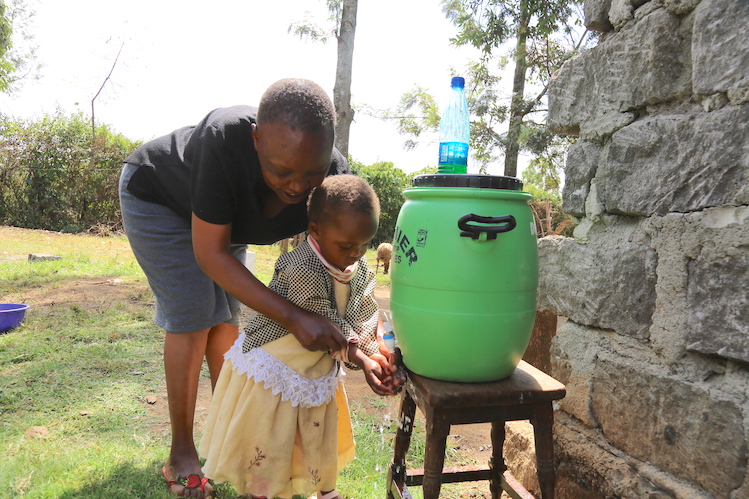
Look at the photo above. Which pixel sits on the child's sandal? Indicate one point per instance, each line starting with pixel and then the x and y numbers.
pixel 330 495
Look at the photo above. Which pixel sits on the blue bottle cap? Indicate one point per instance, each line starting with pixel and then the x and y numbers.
pixel 458 81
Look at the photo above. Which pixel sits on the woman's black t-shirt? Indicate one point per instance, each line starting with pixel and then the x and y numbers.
pixel 212 169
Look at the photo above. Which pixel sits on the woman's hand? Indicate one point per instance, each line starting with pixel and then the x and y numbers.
pixel 315 332
pixel 211 245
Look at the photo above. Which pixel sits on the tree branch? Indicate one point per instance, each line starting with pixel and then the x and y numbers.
pixel 93 121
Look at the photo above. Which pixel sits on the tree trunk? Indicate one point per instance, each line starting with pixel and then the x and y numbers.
pixel 517 109
pixel 342 88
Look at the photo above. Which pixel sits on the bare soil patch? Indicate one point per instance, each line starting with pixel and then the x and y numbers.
pixel 88 294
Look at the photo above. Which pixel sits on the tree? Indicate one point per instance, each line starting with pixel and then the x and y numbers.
pixel 343 18
pixel 539 51
pixel 487 24
pixel 344 70
pixel 16 61
pixel 93 101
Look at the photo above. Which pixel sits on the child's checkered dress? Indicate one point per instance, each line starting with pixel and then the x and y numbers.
pixel 279 423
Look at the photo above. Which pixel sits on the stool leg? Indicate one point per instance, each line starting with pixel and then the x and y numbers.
pixel 434 456
pixel 543 422
pixel 397 471
pixel 497 461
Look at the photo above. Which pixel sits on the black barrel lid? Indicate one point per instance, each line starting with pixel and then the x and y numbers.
pixel 465 180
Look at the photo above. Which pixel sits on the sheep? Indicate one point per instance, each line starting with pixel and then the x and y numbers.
pixel 384 252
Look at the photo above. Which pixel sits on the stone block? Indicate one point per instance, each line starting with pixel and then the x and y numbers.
pixel 520 454
pixel 608 283
pixel 573 358
pixel 737 96
pixel 644 8
pixel 717 298
pixel 720 46
pixel 651 49
pixel 588 467
pixel 677 163
pixel 582 161
pixel 688 315
pixel 677 426
pixel 42 257
pixel 599 128
pixel 680 7
pixel 596 14
pixel 621 13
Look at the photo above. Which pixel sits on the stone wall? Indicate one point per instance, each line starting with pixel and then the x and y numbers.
pixel 655 282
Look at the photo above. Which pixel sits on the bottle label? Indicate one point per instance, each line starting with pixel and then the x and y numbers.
pixel 453 153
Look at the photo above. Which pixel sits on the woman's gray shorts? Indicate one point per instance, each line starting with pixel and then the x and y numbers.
pixel 187 300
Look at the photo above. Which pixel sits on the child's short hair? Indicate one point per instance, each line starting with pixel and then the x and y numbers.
pixel 338 190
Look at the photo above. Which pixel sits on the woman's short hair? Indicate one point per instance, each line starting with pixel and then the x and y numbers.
pixel 300 104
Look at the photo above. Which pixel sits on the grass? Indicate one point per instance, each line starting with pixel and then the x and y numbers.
pixel 82 368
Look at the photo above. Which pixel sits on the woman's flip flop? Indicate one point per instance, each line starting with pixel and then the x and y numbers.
pixel 192 481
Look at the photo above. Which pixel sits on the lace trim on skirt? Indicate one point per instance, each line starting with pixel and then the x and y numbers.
pixel 280 378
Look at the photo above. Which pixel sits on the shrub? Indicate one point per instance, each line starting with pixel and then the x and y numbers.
pixel 388 182
pixel 54 177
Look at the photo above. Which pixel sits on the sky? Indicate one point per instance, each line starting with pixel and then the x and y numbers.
pixel 181 59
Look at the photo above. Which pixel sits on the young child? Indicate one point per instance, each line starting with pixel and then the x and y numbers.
pixel 279 423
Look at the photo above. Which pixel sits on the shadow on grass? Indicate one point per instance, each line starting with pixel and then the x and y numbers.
pixel 128 481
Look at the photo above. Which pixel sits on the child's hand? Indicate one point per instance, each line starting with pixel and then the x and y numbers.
pixel 394 370
pixel 378 381
pixel 383 361
pixel 382 346
pixel 397 370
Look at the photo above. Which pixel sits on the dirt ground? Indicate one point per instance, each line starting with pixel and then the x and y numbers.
pixel 472 442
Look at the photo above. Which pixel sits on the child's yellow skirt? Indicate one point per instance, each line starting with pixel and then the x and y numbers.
pixel 267 446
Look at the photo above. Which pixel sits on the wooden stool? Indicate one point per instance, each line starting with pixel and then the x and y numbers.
pixel 527 394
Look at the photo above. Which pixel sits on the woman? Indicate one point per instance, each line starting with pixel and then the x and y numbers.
pixel 191 202
pixel 279 422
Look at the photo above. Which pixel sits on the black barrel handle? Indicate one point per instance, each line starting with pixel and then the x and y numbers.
pixel 506 224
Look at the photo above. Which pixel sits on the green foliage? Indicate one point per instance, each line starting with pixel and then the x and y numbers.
pixel 6 33
pixel 544 176
pixel 427 170
pixel 542 179
pixel 308 29
pixel 487 24
pixel 16 59
pixel 52 176
pixel 413 123
pixel 388 182
pixel 543 172
pixel 485 100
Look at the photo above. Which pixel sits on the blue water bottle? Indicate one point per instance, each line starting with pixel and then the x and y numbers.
pixel 455 130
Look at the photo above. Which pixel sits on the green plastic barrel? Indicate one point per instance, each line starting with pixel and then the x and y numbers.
pixel 464 276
